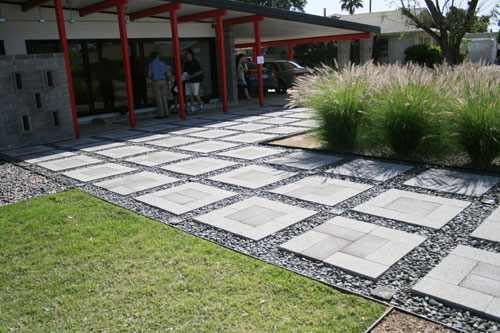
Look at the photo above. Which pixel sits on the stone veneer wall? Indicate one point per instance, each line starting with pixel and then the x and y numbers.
pixel 35 105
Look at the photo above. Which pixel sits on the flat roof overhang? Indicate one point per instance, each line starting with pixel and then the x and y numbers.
pixel 278 24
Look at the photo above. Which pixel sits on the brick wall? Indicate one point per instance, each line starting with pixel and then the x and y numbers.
pixel 34 100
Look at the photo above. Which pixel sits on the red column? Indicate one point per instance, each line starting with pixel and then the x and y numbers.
pixel 290 52
pixel 64 47
pixel 222 60
pixel 258 46
pixel 126 61
pixel 177 61
pixel 254 50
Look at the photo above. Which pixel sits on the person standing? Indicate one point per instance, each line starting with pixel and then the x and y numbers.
pixel 194 76
pixel 158 73
pixel 240 72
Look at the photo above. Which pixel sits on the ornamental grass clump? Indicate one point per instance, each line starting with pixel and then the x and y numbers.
pixel 339 99
pixel 475 111
pixel 406 110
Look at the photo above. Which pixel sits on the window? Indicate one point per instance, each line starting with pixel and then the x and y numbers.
pixel 2 48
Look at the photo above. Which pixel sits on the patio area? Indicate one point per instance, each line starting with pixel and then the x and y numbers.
pixel 428 237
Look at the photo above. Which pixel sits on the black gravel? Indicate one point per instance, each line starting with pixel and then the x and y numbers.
pixel 400 277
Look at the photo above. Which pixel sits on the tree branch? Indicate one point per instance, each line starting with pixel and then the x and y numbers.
pixel 407 12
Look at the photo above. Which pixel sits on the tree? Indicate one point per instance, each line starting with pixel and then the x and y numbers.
pixel 296 5
pixel 447 24
pixel 351 5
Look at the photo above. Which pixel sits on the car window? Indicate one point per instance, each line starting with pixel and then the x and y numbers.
pixel 268 66
pixel 285 65
pixel 296 65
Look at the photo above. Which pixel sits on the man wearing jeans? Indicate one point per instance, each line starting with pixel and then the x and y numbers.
pixel 194 75
pixel 158 72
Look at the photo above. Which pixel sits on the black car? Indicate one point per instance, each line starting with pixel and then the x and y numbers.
pixel 286 71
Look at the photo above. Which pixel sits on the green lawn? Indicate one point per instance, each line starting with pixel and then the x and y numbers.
pixel 72 262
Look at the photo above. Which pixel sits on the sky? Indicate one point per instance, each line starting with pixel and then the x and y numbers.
pixel 333 7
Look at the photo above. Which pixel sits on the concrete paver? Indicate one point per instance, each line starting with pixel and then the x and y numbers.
pixel 69 163
pixel 467 278
pixel 136 182
pixel 304 160
pixel 98 171
pixel 489 229
pixel 198 166
pixel 369 169
pixel 253 176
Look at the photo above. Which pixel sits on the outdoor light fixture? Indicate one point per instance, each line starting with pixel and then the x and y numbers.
pixel 41 20
pixel 71 19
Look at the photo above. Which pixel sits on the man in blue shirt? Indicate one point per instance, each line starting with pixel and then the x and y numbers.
pixel 158 72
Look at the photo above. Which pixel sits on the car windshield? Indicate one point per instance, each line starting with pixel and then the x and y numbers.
pixel 285 65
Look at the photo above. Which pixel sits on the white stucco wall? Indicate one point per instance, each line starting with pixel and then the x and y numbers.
pixel 481 47
pixel 19 27
pixel 398 45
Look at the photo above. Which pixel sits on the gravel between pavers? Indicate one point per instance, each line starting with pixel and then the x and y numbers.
pixel 18 184
pixel 401 276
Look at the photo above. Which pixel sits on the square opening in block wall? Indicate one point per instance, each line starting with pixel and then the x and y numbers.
pixel 17 79
pixel 37 101
pixel 55 118
pixel 26 123
pixel 49 79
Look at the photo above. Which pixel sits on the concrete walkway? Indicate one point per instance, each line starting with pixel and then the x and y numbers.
pixel 360 217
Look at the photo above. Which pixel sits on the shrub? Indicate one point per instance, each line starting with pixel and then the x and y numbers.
pixel 475 111
pixel 406 108
pixel 424 55
pixel 339 99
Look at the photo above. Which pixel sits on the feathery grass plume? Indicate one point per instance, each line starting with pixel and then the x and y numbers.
pixel 476 111
pixel 339 99
pixel 404 116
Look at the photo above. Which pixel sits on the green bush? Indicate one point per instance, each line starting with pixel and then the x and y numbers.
pixel 475 113
pixel 339 102
pixel 424 55
pixel 405 112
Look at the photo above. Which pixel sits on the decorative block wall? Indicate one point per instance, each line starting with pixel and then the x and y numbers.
pixel 35 105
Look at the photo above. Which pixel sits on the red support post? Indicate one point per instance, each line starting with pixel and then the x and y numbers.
pixel 126 61
pixel 64 47
pixel 254 53
pixel 290 52
pixel 222 60
pixel 245 19
pixel 177 61
pixel 306 40
pixel 258 46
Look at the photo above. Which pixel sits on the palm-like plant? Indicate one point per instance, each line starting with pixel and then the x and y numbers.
pixel 351 5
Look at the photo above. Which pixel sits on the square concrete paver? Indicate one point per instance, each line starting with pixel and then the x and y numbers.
pixel 251 119
pixel 146 137
pixel 208 146
pixel 255 218
pixel 358 247
pixel 46 156
pixel 415 208
pixel 125 151
pixel 250 137
pixel 69 163
pixel 279 113
pixel 454 182
pixel 467 278
pixel 186 131
pixel 219 124
pixel 310 123
pixel 191 121
pixel 283 130
pixel 198 166
pixel 26 151
pixel 490 228
pixel 277 121
pixel 250 153
pixel 100 145
pixel 326 191
pixel 304 160
pixel 213 134
pixel 368 169
pixel 157 158
pixel 172 141
pixel 184 198
pixel 300 115
pixel 136 182
pixel 98 172
pixel 253 176
pixel 249 127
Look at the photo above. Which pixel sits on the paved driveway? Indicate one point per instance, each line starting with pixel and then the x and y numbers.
pixel 397 231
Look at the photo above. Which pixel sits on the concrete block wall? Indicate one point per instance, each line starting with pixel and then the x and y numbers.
pixel 35 105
